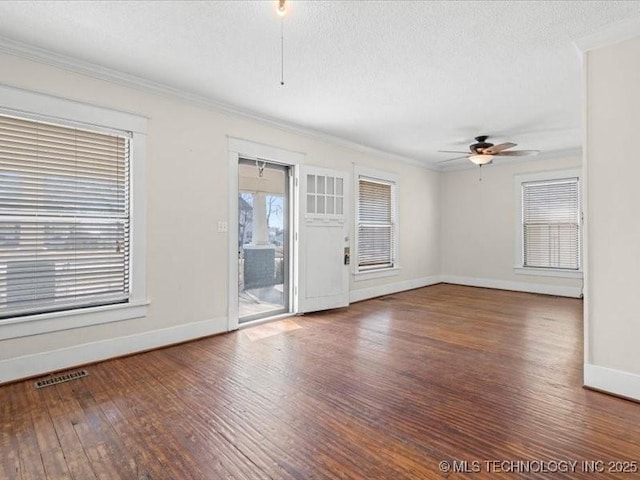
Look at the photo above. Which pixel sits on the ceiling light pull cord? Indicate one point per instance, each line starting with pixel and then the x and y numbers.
pixel 282 51
pixel 282 11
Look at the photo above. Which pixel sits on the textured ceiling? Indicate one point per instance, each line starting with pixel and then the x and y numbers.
pixel 408 78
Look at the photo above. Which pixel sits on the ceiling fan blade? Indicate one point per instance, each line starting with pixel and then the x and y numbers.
pixel 498 148
pixel 452 159
pixel 453 151
pixel 518 153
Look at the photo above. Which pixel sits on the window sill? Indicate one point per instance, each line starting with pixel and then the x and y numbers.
pixel 548 272
pixel 379 273
pixel 69 319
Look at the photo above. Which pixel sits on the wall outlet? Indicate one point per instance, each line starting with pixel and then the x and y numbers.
pixel 222 227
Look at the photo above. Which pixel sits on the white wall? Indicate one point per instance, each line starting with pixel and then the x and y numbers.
pixel 478 228
pixel 187 195
pixel 612 163
pixel 450 223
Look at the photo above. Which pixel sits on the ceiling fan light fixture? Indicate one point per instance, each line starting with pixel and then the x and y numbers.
pixel 480 159
pixel 282 8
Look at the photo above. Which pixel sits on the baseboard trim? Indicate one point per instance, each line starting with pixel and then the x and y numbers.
pixel 26 366
pixel 609 380
pixel 389 288
pixel 559 290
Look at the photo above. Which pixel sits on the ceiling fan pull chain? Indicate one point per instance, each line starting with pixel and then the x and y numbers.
pixel 282 51
pixel 480 174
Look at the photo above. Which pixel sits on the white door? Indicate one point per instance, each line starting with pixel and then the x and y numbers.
pixel 323 244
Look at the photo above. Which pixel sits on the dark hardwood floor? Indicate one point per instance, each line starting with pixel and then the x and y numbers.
pixel 386 389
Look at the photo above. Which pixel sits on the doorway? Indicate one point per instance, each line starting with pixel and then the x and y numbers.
pixel 264 253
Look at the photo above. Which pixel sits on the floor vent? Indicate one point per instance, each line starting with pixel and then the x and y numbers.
pixel 65 377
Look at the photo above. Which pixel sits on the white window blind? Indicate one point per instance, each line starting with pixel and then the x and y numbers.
pixel 64 217
pixel 551 224
pixel 376 224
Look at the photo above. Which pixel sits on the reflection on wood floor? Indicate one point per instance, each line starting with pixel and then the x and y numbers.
pixel 384 389
pixel 270 329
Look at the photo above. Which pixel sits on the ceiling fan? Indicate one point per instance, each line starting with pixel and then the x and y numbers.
pixel 483 152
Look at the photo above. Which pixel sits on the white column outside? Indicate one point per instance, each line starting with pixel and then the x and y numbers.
pixel 260 227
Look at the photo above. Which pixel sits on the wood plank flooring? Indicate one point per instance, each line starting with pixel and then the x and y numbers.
pixel 386 389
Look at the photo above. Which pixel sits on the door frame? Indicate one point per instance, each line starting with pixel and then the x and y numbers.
pixel 240 148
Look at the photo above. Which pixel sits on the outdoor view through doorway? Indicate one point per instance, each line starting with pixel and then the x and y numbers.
pixel 263 239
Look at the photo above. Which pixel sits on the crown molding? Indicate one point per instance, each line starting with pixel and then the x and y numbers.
pixel 58 60
pixel 608 35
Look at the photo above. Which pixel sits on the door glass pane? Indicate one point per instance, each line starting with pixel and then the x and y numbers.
pixel 311 204
pixel 263 240
pixel 320 204
pixel 330 205
pixel 321 183
pixel 339 186
pixel 311 184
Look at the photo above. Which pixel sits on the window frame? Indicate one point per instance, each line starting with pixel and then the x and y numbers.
pixel 393 180
pixel 42 107
pixel 551 175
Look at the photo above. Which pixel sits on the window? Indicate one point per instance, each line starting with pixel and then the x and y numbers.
pixel 64 217
pixel 377 232
pixel 72 214
pixel 325 195
pixel 550 222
